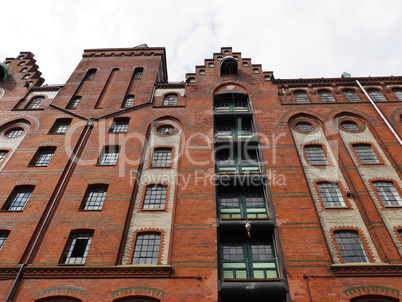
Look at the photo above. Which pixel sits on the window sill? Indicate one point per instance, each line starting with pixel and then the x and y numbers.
pixel 153 210
pixel 393 206
pixel 99 165
pixel 336 208
pixel 252 280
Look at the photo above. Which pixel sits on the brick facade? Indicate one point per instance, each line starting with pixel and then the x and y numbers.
pixel 237 137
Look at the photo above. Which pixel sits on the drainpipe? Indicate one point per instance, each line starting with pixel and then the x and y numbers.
pixel 380 113
pixel 50 211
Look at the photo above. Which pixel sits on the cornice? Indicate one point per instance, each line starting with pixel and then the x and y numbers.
pixel 366 80
pixel 367 270
pixel 74 271
pixel 170 85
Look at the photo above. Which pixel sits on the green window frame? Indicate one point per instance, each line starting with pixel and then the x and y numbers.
pixel 248 260
pixel 234 161
pixel 234 127
pixel 231 102
pixel 242 202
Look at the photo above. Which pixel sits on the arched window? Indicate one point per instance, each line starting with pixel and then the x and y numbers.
pixel 170 100
pixel 138 73
pixel 128 101
pixel 398 93
pixel 59 299
pixel 3 237
pixel 137 299
pixel 74 102
pixel 388 193
pixel 90 74
pixel 301 97
pixel 351 95
pixel 155 197
pixel 315 155
pixel 331 194
pixel 34 103
pixel 374 298
pixel 376 95
pixel 147 246
pixel 18 198
pixel 77 247
pixel 350 246
pixel 14 132
pixel 326 96
pixel 94 197
pixel 228 66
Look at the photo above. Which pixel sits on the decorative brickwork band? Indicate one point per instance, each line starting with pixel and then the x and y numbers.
pixel 61 290
pixel 138 290
pixel 376 290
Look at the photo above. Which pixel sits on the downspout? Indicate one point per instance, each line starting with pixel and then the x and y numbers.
pixel 380 113
pixel 45 221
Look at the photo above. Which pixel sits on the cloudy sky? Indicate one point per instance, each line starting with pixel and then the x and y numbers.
pixel 293 38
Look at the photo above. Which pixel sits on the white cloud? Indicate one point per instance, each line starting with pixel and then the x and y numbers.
pixel 294 38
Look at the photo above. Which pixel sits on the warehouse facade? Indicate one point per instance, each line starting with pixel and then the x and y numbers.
pixel 229 186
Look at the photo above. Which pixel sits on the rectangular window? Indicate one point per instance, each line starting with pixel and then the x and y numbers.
pixel 42 157
pixel 248 260
pixel 350 246
pixel 242 202
pixel 60 126
pixel 18 198
pixel 109 156
pixel 242 160
pixel 366 154
pixel 78 248
pixel 119 125
pixel 155 197
pixel 34 103
pixel 147 248
pixel 161 158
pixel 237 127
pixel 315 155
pixel 388 193
pixel 3 238
pixel 231 102
pixel 94 197
pixel 330 194
pixel 3 154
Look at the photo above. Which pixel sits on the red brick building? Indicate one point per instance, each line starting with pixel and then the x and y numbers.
pixel 229 186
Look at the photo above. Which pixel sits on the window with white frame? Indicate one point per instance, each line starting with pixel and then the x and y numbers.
pixel 376 95
pixel 147 247
pixel 119 125
pixel 3 238
pixel 170 100
pixel 60 126
pixel 128 101
pixel 3 154
pixel 18 198
pixel 326 96
pixel 34 103
pixel 387 192
pixel 78 248
pixel 366 154
pixel 74 102
pixel 315 155
pixel 161 158
pixel 301 97
pixel 350 246
pixel 351 95
pixel 94 197
pixel 398 93
pixel 331 194
pixel 155 197
pixel 42 157
pixel 14 132
pixel 109 155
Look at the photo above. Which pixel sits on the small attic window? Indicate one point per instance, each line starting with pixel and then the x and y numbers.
pixel 202 71
pixel 228 65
